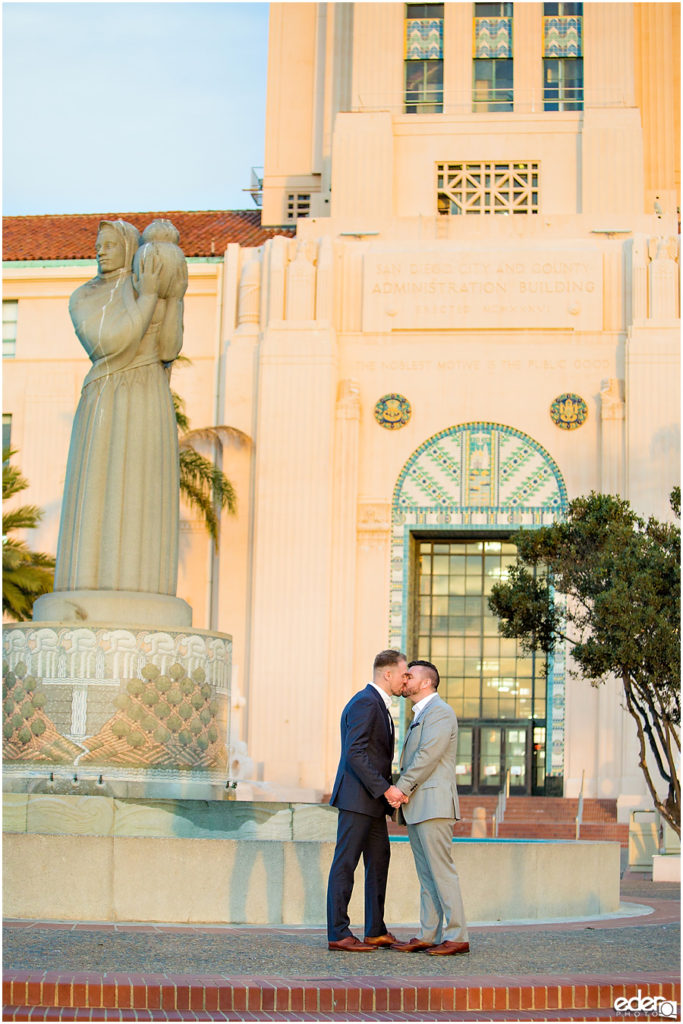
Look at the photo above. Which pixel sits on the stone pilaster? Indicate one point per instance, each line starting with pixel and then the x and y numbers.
pixel 343 572
pixel 653 415
pixel 457 70
pixel 363 151
pixel 609 58
pixel 639 261
pixel 378 43
pixel 273 283
pixel 527 39
pixel 292 551
pixel 612 437
pixel 373 587
pixel 663 279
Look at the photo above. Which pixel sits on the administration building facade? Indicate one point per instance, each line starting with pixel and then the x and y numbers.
pixel 458 310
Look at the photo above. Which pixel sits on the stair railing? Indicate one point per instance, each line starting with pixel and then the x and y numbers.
pixel 501 804
pixel 579 810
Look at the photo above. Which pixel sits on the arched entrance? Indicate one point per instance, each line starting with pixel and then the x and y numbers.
pixel 457 502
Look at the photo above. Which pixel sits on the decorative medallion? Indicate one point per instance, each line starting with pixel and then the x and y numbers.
pixel 392 411
pixel 568 412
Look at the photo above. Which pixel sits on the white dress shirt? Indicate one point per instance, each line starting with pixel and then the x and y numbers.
pixel 385 696
pixel 421 705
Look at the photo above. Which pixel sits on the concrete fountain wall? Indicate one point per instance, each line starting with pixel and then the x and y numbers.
pixel 106 859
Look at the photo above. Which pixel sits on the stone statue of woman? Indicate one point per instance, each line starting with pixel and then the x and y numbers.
pixel 119 524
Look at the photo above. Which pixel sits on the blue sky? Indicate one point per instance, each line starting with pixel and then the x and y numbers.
pixel 115 107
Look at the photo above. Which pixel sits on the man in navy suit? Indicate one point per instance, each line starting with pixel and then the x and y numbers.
pixel 364 795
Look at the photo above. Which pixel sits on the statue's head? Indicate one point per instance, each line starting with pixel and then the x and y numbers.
pixel 117 243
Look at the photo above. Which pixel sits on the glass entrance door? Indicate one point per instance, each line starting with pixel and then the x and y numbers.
pixel 490 758
pixel 516 757
pixel 487 751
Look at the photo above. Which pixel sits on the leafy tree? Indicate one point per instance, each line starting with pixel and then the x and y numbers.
pixel 203 484
pixel 621 579
pixel 26 574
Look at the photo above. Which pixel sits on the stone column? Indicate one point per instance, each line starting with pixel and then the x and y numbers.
pixel 612 428
pixel 343 572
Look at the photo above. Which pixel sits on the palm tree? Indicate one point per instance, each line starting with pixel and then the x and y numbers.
pixel 203 484
pixel 26 574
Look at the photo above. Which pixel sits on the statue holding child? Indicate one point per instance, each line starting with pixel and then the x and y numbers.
pixel 119 523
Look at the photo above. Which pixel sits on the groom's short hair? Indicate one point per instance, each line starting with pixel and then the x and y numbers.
pixel 386 658
pixel 431 671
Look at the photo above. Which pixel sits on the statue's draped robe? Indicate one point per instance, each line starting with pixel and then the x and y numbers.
pixel 119 524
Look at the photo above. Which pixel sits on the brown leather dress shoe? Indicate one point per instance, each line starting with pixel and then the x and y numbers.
pixel 412 946
pixel 378 941
pixel 449 948
pixel 351 944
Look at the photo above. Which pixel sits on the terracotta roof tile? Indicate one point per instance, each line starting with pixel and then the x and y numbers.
pixel 72 236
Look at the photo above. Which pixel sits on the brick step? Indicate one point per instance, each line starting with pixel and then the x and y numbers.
pixel 159 997
pixel 545 807
pixel 560 830
pixel 595 831
pixel 29 1013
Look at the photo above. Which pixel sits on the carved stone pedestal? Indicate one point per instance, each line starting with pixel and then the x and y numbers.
pixel 120 711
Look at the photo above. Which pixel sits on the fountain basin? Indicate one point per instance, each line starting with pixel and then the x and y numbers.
pixel 105 859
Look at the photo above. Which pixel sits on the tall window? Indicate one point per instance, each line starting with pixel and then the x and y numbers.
pixel 563 56
pixel 424 59
pixel 485 676
pixel 10 309
pixel 492 85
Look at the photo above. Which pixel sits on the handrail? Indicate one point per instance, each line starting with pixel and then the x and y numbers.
pixel 501 804
pixel 579 811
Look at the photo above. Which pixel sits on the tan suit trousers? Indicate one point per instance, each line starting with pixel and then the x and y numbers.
pixel 442 915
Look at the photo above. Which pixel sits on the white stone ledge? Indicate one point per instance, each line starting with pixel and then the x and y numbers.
pixel 124 878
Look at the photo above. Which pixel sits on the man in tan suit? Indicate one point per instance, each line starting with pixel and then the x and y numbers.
pixel 428 781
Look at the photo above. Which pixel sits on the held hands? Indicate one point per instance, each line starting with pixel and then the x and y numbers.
pixel 395 797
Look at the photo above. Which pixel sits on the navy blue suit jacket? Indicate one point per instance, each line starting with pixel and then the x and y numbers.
pixel 367 750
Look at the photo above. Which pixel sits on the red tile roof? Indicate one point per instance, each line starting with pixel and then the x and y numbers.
pixel 72 236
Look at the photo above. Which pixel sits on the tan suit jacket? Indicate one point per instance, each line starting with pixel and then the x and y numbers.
pixel 428 765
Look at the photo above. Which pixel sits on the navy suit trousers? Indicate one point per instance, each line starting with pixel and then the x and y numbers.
pixel 358 834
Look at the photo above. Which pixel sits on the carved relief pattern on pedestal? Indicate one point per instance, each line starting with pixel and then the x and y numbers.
pixel 477 477
pixel 115 697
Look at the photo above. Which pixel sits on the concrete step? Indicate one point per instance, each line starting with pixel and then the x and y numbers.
pixel 63 996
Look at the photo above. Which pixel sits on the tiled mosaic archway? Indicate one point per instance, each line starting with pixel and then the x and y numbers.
pixel 477 477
